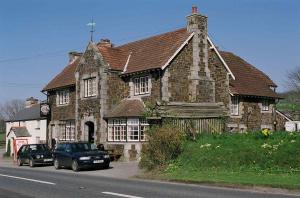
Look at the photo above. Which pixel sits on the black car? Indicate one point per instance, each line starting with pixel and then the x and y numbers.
pixel 34 154
pixel 79 155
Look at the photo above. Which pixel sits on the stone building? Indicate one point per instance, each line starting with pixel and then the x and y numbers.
pixel 104 93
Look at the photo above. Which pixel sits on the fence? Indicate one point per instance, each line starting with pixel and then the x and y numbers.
pixel 199 125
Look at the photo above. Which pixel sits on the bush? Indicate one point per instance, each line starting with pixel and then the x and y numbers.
pixel 7 153
pixel 164 144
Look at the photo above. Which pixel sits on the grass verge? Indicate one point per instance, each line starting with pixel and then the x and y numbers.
pixel 239 159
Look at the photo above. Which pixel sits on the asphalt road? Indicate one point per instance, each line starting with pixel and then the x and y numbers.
pixel 18 182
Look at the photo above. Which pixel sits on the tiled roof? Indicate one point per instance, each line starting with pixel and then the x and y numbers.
pixel 153 52
pixel 31 113
pixel 20 132
pixel 127 108
pixel 65 78
pixel 249 80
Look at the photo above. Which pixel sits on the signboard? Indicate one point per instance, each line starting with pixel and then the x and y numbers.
pixel 44 109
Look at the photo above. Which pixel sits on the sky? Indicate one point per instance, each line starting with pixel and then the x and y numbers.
pixel 36 35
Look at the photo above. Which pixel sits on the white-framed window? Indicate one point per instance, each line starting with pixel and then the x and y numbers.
pixel 117 130
pixel 265 105
pixel 63 97
pixel 141 85
pixel 90 87
pixel 234 106
pixel 67 131
pixel 132 129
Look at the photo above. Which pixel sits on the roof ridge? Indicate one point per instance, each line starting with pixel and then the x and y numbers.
pixel 151 37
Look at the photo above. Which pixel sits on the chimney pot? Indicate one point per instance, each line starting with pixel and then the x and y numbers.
pixel 194 10
pixel 74 55
pixel 105 43
pixel 31 102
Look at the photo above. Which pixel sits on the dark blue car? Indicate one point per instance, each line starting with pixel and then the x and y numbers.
pixel 79 155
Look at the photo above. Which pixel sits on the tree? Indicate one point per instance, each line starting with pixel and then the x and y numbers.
pixel 294 80
pixel 9 109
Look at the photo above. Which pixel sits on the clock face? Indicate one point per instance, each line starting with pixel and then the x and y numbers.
pixel 45 109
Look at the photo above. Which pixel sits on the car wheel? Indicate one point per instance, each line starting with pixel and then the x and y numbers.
pixel 75 166
pixel 31 163
pixel 19 162
pixel 106 166
pixel 56 164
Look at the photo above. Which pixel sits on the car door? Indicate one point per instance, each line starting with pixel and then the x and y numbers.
pixel 26 154
pixel 21 153
pixel 68 156
pixel 59 153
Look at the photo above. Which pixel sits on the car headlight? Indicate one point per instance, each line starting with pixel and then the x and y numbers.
pixel 38 156
pixel 106 156
pixel 84 158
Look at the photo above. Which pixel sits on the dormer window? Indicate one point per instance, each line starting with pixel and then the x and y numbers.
pixel 63 97
pixel 265 105
pixel 89 87
pixel 141 85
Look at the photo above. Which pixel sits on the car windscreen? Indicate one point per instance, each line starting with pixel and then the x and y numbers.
pixel 80 147
pixel 38 148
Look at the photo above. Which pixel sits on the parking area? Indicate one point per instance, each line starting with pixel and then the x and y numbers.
pixel 122 170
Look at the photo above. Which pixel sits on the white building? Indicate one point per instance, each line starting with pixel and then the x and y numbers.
pixel 27 127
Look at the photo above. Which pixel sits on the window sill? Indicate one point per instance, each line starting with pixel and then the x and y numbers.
pixel 62 105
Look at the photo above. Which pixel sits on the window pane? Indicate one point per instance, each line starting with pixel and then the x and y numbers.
pixel 136 86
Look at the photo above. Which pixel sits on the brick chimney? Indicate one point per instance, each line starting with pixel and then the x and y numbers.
pixel 105 43
pixel 200 74
pixel 30 102
pixel 73 56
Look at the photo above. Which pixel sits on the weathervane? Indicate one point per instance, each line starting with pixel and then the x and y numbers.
pixel 92 24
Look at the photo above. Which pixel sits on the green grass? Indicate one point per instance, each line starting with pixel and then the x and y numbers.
pixel 241 159
pixel 2 138
pixel 288 106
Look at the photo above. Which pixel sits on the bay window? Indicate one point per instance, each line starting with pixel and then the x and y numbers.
pixel 122 130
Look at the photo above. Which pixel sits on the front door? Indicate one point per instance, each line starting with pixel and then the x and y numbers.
pixel 90 130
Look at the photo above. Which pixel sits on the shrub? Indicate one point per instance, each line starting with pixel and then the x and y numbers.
pixel 164 144
pixel 7 153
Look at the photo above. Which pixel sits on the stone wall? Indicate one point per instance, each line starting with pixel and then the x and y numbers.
pixel 178 72
pixel 91 109
pixel 62 112
pixel 118 89
pixel 251 116
pixel 220 75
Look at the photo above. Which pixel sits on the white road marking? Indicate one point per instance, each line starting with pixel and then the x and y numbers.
pixel 27 179
pixel 120 195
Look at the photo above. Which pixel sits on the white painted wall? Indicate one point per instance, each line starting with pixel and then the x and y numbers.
pixel 36 128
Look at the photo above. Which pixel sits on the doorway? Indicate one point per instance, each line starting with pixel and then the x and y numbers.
pixel 90 130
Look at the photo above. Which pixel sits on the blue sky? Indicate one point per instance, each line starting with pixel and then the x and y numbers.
pixel 36 36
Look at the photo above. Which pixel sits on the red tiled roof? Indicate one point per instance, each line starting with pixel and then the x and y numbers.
pixel 127 108
pixel 65 78
pixel 149 53
pixel 116 58
pixel 154 52
pixel 249 80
